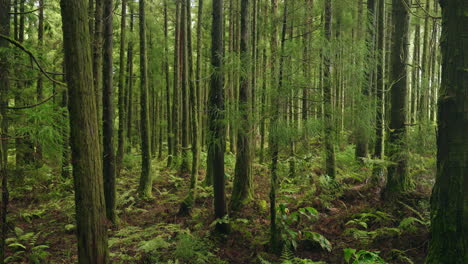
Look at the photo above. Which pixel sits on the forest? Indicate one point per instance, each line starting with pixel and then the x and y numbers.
pixel 234 131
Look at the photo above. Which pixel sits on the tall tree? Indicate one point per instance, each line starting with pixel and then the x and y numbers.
pixel 449 201
pixel 398 180
pixel 39 84
pixel 4 87
pixel 108 114
pixel 129 79
pixel 362 135
pixel 97 39
pixel 87 165
pixel 170 148
pixel 121 85
pixel 242 189
pixel 380 76
pixel 217 127
pixel 194 121
pixel 175 93
pixel 329 127
pixel 146 178
pixel 275 115
pixel 183 59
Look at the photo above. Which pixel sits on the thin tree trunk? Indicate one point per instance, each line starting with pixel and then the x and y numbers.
pixel 274 123
pixel 108 115
pixel 121 85
pixel 183 43
pixel 398 180
pixel 4 87
pixel 328 117
pixel 146 179
pixel 242 191
pixel 217 127
pixel 170 148
pixel 176 85
pixel 97 58
pixel 129 82
pixel 380 88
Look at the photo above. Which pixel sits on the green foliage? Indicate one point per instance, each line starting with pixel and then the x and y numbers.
pixel 288 220
pixel 362 256
pixel 25 248
pixel 45 124
pixel 410 224
pixel 288 258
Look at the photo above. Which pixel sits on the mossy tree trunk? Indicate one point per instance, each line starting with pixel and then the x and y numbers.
pixel 363 123
pixel 121 86
pixel 108 114
pixel 86 152
pixel 146 179
pixel 183 59
pixel 216 116
pixel 129 82
pixel 398 180
pixel 176 85
pixel 449 201
pixel 187 204
pixel 242 191
pixel 379 95
pixel 329 127
pixel 170 148
pixel 4 87
pixel 97 43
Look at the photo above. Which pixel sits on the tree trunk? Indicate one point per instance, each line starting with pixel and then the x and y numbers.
pixel 449 201
pixel 327 89
pixel 183 43
pixel 398 180
pixel 242 191
pixel 187 204
pixel 129 82
pixel 380 88
pixel 97 58
pixel 4 87
pixel 108 114
pixel 176 84
pixel 121 85
pixel 217 127
pixel 363 123
pixel 86 152
pixel 39 85
pixel 146 179
pixel 170 148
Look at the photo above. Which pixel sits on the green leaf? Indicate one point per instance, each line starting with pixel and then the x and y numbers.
pixel 17 245
pixel 348 253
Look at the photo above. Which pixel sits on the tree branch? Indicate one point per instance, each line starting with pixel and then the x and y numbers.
pixel 21 47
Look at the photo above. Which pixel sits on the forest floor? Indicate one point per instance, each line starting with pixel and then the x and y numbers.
pixel 349 214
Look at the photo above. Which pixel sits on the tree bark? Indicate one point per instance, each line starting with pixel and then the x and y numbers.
pixel 4 87
pixel 398 180
pixel 86 152
pixel 121 86
pixel 449 201
pixel 170 148
pixel 217 127
pixel 380 88
pixel 108 114
pixel 242 191
pixel 146 179
pixel 329 127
